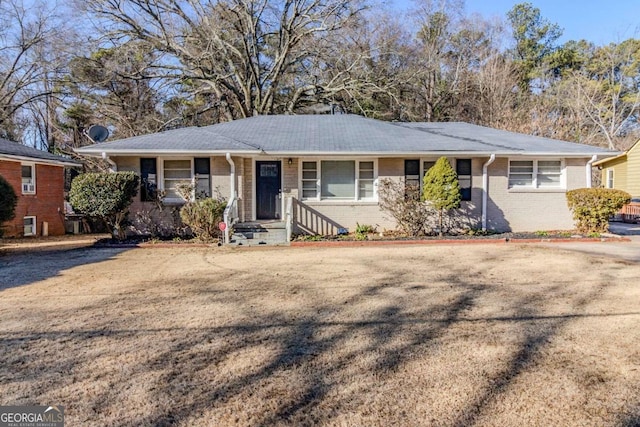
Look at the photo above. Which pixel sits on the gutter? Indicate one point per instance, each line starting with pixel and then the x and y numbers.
pixel 588 169
pixel 113 167
pixel 338 154
pixel 485 190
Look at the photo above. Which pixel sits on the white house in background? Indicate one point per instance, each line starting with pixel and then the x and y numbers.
pixel 321 172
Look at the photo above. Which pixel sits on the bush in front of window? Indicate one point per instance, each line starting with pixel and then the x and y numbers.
pixel 402 203
pixel 592 207
pixel 203 217
pixel 105 196
pixel 8 202
pixel 441 189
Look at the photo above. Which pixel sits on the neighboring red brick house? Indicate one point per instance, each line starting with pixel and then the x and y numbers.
pixel 38 180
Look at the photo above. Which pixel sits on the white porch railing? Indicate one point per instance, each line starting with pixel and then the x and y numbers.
pixel 288 216
pixel 230 217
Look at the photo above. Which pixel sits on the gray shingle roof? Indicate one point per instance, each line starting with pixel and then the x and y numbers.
pixel 16 150
pixel 340 135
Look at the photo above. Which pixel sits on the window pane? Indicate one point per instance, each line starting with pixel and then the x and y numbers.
pixel 463 166
pixel 26 172
pixel 309 185
pixel 548 180
pixel 172 173
pixel 427 165
pixel 177 164
pixel 366 166
pixel 309 166
pixel 366 174
pixel 201 165
pixel 412 167
pixel 203 187
pixel 366 189
pixel 338 179
pixel 309 194
pixel 309 174
pixel 521 167
pixel 520 180
pixel 521 173
pixel 549 167
pixel 148 182
pixel 464 182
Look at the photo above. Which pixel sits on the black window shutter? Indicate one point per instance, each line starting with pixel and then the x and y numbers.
pixel 463 169
pixel 148 185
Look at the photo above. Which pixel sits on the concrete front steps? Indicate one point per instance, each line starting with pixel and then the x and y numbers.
pixel 259 233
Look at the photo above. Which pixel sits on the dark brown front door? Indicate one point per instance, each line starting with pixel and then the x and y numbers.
pixel 268 188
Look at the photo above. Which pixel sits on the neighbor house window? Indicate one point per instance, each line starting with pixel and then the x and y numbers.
pixel 463 169
pixel 28 178
pixel 535 173
pixel 338 179
pixel 609 178
pixel 29 226
pixel 175 173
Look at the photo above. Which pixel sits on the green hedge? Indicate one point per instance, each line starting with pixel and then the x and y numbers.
pixel 106 196
pixel 592 207
pixel 8 202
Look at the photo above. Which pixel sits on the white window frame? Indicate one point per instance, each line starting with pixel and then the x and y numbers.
pixel 356 196
pixel 610 178
pixel 34 230
pixel 534 182
pixel 28 187
pixel 161 178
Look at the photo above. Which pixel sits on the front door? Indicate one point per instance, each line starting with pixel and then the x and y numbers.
pixel 268 189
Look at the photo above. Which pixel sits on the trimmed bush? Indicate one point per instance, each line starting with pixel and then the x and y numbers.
pixel 592 207
pixel 8 202
pixel 441 188
pixel 106 196
pixel 203 217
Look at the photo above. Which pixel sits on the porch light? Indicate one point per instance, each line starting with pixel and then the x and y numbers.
pixel 290 161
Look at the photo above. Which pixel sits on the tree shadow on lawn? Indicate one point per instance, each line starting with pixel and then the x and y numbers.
pixel 305 344
pixel 24 268
pixel 312 351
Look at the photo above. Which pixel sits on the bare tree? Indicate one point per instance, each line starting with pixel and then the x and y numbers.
pixel 606 90
pixel 242 52
pixel 24 78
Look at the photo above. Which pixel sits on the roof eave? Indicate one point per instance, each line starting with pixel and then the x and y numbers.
pixel 70 163
pixel 307 153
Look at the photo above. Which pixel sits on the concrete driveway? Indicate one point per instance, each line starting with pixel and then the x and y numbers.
pixel 629 251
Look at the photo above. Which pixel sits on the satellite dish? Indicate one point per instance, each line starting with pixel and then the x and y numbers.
pixel 98 133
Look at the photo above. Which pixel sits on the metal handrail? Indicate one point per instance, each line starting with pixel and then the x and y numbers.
pixel 230 217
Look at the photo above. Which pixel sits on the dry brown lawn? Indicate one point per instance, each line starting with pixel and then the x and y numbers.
pixel 490 335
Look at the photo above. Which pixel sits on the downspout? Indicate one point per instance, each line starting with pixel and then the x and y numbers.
pixel 588 169
pixel 232 176
pixel 112 164
pixel 485 190
pixel 232 196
